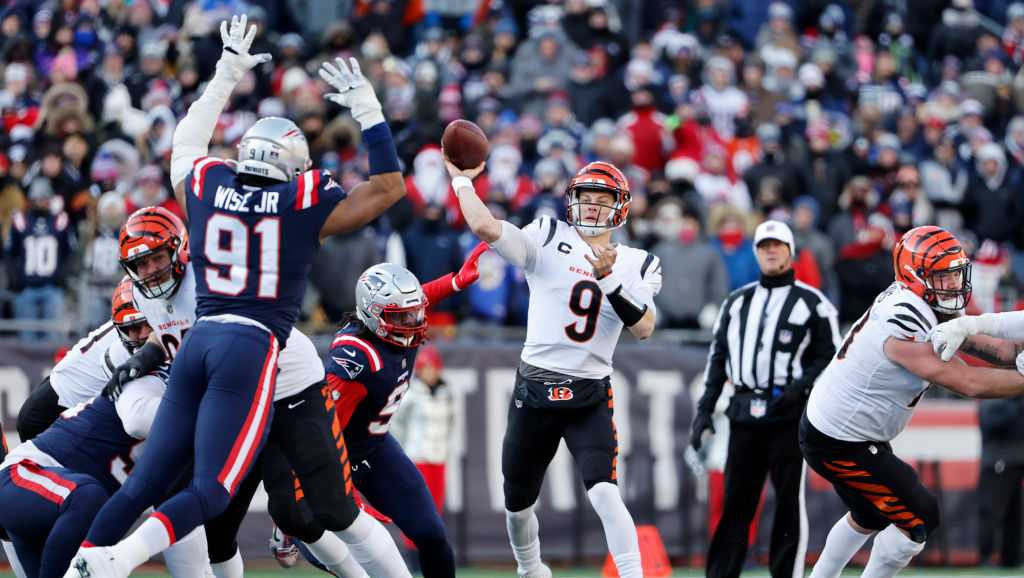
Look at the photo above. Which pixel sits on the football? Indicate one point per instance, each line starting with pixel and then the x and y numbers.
pixel 464 144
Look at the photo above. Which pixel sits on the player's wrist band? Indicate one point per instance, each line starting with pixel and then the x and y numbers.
pixel 381 149
pixel 461 182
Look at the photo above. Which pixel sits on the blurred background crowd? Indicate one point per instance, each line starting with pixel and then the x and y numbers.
pixel 854 120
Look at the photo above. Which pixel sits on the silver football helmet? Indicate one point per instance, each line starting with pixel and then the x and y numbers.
pixel 390 302
pixel 273 148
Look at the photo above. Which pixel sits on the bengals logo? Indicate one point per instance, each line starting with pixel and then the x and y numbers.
pixel 559 393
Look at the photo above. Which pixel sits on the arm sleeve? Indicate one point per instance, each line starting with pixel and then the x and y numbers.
pixel 714 372
pixel 1009 325
pixel 192 135
pixel 137 405
pixel 439 289
pixel 518 246
pixel 824 341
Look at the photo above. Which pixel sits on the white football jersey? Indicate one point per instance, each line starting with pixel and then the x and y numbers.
pixel 87 367
pixel 299 364
pixel 571 326
pixel 862 395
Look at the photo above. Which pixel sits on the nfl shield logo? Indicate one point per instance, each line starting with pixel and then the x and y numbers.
pixel 785 336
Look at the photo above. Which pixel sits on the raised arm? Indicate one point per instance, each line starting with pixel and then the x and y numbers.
pixel 977 382
pixel 192 135
pixel 367 200
pixel 508 240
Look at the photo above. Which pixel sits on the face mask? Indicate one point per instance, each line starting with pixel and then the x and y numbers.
pixel 687 236
pixel 731 238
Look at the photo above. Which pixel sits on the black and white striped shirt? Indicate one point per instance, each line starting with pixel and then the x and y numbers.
pixel 770 335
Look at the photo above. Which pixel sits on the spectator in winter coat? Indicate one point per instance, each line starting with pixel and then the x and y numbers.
pixel 719 95
pixel 700 279
pixel 945 182
pixel 807 235
pixel 989 205
pixel 715 186
pixel 102 268
pixel 432 250
pixel 541 66
pixel 774 165
pixel 729 236
pixel 337 266
pixel 651 139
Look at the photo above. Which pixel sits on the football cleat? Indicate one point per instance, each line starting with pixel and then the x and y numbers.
pixel 541 571
pixel 96 562
pixel 285 551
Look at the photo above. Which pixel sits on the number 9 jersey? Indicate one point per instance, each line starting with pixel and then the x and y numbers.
pixel 571 327
pixel 252 247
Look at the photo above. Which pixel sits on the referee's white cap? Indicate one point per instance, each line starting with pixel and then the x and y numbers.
pixel 775 230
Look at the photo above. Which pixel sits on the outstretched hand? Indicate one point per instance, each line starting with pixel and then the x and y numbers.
pixel 354 91
pixel 469 273
pixel 237 40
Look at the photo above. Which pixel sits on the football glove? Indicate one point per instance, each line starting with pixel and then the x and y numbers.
pixel 469 273
pixel 147 359
pixel 235 59
pixel 354 92
pixel 701 422
pixel 949 336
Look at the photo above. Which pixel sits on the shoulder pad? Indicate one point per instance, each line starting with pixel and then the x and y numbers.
pixel 308 186
pixel 905 316
pixel 352 356
pixel 199 170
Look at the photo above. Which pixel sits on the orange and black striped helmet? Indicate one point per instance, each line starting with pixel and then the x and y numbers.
pixel 125 315
pixel 148 231
pixel 931 262
pixel 599 177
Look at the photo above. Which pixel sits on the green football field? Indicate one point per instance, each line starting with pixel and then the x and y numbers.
pixel 307 572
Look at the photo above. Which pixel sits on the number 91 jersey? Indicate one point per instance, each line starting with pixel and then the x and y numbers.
pixel 571 326
pixel 252 247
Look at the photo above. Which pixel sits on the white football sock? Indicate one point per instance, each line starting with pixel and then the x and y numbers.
pixel 523 534
pixel 840 546
pixel 891 552
pixel 148 540
pixel 233 568
pixel 373 548
pixel 12 558
pixel 189 557
pixel 619 529
pixel 335 555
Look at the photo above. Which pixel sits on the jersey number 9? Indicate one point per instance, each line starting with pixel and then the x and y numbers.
pixel 227 247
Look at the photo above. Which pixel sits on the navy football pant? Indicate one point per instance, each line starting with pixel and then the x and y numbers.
pixel 46 513
pixel 217 407
pixel 392 484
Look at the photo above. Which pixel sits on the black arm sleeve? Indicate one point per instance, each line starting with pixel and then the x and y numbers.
pixel 714 373
pixel 819 353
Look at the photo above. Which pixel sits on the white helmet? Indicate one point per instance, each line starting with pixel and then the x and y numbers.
pixel 391 304
pixel 273 148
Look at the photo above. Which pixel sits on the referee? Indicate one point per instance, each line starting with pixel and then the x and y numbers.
pixel 771 340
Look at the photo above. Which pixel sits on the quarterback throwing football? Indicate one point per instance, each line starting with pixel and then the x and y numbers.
pixel 583 290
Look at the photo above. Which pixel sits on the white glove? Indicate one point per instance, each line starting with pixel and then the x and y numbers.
pixel 235 58
pixel 354 91
pixel 949 336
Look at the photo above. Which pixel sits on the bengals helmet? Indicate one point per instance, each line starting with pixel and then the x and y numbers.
pixel 148 231
pixel 926 254
pixel 598 177
pixel 125 316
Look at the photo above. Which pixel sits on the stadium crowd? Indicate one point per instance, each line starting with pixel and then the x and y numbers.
pixel 853 121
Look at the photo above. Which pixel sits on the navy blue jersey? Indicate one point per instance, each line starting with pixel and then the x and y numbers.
pixel 367 378
pixel 39 248
pixel 90 439
pixel 251 247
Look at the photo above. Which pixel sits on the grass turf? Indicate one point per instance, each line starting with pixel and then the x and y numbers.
pixel 308 572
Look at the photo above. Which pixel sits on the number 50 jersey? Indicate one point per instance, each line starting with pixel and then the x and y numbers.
pixel 252 247
pixel 571 326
